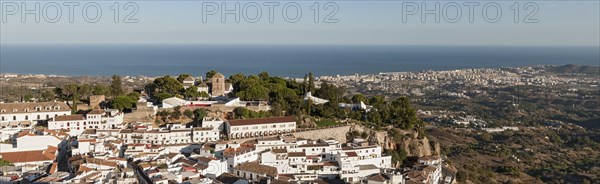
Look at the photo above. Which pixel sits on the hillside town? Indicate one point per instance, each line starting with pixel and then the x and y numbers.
pixel 96 140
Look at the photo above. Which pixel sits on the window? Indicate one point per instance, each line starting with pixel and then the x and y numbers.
pixel 3 110
pixel 15 110
pixel 26 117
pixel 2 118
pixel 14 118
pixel 26 110
pixel 38 116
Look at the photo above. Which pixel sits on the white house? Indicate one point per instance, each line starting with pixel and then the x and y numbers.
pixel 260 127
pixel 188 82
pixel 32 111
pixel 95 119
pixel 315 100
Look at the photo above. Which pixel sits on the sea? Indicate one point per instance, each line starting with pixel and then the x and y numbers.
pixel 279 60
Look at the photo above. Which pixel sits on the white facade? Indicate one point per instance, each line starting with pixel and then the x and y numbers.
pixel 95 119
pixel 260 127
pixel 32 111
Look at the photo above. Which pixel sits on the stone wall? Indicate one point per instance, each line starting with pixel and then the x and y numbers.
pixel 337 133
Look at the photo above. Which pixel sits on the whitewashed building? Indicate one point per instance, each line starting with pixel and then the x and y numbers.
pixel 95 119
pixel 32 111
pixel 260 127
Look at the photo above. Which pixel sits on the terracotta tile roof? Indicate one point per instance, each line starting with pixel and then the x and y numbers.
pixel 87 140
pixel 331 163
pixel 378 178
pixel 352 154
pixel 69 118
pixel 279 150
pixel 243 122
pixel 89 131
pixel 101 162
pixel 7 108
pixel 96 111
pixel 83 168
pixel 53 168
pixel 50 152
pixel 296 154
pixel 24 133
pixel 205 159
pixel 255 167
pixel 26 156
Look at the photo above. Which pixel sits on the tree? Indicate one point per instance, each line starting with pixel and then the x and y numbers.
pixel 188 113
pixel 5 163
pixel 210 74
pixel 359 98
pixel 116 86
pixel 176 112
pixel 48 94
pixel 199 115
pixel 487 137
pixel 182 77
pixel 203 94
pixel 101 89
pixel 75 98
pixel 134 96
pixel 264 76
pixel 191 92
pixel 168 84
pixel 85 90
pixel 403 115
pixel 28 97
pixel 311 82
pixel 70 89
pixel 122 103
pixel 235 81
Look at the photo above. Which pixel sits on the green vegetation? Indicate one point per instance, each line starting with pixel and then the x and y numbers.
pixel 5 162
pixel 125 102
pixel 116 86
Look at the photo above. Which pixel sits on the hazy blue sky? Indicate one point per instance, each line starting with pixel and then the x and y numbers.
pixel 561 23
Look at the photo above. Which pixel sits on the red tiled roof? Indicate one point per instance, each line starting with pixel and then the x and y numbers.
pixel 26 156
pixel 24 133
pixel 242 122
pixel 96 111
pixel 352 154
pixel 296 154
pixel 69 118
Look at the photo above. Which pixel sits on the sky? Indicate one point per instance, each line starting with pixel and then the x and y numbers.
pixel 349 22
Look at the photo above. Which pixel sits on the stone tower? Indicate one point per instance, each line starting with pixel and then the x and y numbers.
pixel 218 85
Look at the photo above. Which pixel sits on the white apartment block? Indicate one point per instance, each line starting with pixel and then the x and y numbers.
pixel 245 128
pixel 32 111
pixel 168 136
pixel 308 160
pixel 95 119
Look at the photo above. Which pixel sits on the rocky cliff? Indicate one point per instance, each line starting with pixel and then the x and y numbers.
pixel 407 140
